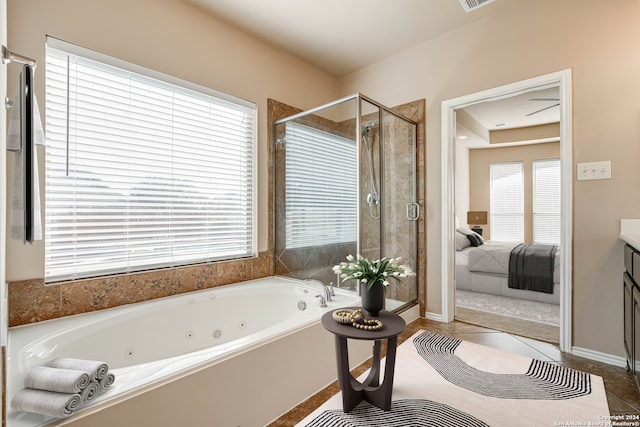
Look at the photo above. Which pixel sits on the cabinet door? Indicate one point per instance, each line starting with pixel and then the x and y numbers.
pixel 636 328
pixel 628 319
pixel 635 262
pixel 628 259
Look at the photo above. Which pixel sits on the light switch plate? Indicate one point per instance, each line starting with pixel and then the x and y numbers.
pixel 594 170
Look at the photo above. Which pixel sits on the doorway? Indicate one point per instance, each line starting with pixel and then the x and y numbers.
pixel 562 81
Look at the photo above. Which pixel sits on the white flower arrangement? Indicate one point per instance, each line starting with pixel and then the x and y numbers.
pixel 370 272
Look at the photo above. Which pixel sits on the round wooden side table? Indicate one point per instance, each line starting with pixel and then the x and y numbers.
pixel 370 390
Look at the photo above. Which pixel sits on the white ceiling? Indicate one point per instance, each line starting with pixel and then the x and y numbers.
pixel 528 109
pixel 342 36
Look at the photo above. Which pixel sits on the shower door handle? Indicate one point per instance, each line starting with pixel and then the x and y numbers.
pixel 413 211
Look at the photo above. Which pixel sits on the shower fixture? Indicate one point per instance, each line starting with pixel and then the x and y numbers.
pixel 367 128
pixel 373 198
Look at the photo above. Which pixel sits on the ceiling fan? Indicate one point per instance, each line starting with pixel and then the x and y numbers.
pixel 556 102
pixel 471 5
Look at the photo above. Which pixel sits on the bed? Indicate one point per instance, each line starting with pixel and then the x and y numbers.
pixel 485 268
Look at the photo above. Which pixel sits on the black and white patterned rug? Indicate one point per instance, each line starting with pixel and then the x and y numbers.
pixel 443 381
pixel 403 413
pixel 543 380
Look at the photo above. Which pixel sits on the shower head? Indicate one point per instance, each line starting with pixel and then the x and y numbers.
pixel 367 128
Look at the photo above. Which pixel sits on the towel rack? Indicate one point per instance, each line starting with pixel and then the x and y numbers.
pixel 9 56
pixel 26 147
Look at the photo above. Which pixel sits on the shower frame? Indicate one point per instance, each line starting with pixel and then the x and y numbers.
pixel 381 109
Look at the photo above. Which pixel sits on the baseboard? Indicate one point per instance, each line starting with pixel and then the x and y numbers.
pixel 435 317
pixel 609 359
pixel 411 314
pixel 599 357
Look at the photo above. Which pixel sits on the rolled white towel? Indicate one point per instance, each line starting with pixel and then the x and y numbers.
pixel 96 369
pixel 55 379
pixel 106 382
pixel 90 392
pixel 48 403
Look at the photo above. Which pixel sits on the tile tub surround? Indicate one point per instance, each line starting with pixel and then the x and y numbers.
pixel 169 351
pixel 32 301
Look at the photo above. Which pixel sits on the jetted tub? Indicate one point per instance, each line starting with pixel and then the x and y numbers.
pixel 238 355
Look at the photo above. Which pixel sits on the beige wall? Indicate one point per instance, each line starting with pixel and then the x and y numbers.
pixel 175 38
pixel 479 178
pixel 599 41
pixel 526 134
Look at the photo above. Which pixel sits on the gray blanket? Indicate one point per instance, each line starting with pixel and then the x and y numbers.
pixel 531 267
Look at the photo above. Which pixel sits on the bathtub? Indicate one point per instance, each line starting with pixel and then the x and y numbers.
pixel 238 355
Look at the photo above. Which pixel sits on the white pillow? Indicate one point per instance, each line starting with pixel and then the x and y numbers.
pixel 468 231
pixel 461 241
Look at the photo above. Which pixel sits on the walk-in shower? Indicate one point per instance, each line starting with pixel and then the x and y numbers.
pixel 345 183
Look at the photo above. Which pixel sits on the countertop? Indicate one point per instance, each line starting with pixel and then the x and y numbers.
pixel 630 232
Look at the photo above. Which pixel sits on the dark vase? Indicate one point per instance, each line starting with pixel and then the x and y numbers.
pixel 372 299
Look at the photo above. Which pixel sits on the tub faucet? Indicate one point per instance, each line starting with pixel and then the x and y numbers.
pixel 325 289
pixel 322 302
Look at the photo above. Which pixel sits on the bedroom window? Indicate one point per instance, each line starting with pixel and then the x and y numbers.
pixel 507 202
pixel 143 170
pixel 546 201
pixel 324 166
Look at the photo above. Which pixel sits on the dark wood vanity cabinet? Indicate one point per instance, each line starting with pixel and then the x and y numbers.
pixel 628 319
pixel 636 338
pixel 631 301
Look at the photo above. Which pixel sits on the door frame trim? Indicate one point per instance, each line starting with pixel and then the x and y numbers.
pixel 561 79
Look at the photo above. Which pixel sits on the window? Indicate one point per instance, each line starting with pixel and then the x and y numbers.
pixel 142 170
pixel 324 166
pixel 546 201
pixel 507 201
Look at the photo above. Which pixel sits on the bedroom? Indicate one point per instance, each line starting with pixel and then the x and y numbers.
pixel 507 189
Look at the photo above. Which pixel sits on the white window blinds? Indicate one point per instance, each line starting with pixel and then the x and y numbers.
pixel 546 201
pixel 142 172
pixel 507 202
pixel 321 187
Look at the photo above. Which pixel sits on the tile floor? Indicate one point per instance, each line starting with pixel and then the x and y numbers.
pixel 622 395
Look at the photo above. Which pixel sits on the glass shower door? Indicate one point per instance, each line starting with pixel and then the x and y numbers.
pixel 388 211
pixel 400 211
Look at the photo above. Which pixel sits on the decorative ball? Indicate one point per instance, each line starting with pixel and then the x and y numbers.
pixel 343 316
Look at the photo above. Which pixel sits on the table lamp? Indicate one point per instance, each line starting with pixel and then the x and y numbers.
pixel 477 218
